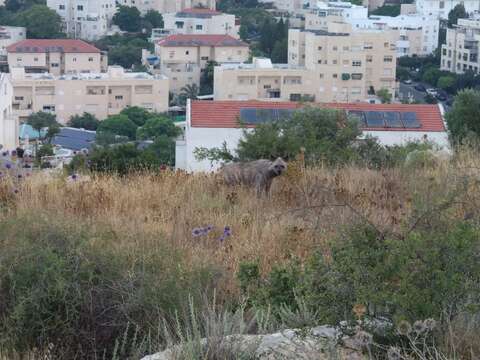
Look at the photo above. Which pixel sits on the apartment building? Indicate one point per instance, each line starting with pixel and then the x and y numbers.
pixel 182 58
pixel 8 121
pixel 200 21
pixel 56 56
pixel 291 6
pixel 9 35
pixel 100 94
pixel 85 19
pixel 168 6
pixel 415 34
pixel 460 52
pixel 441 8
pixel 334 66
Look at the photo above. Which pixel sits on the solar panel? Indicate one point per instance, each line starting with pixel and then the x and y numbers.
pixel 374 119
pixel 392 119
pixel 285 114
pixel 359 115
pixel 267 115
pixel 248 116
pixel 410 120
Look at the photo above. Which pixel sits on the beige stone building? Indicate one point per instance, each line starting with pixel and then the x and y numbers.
pixel 328 66
pixel 56 56
pixel 460 52
pixel 101 94
pixel 168 6
pixel 201 21
pixel 182 58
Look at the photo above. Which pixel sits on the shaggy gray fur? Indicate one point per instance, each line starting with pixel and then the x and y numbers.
pixel 258 174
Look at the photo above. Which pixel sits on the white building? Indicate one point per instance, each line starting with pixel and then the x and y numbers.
pixel 416 34
pixel 209 124
pixel 201 21
pixel 291 6
pixel 85 19
pixel 9 35
pixel 168 6
pixel 441 8
pixel 8 121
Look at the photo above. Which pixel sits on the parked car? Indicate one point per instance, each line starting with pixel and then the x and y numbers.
pixel 441 95
pixel 407 81
pixel 432 92
pixel 419 87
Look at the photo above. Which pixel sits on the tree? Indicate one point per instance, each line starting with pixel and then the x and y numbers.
pixel 189 91
pixel 326 135
pixel 41 22
pixel 20 5
pixel 128 18
pixel 156 127
pixel 384 96
pixel 462 119
pixel 118 125
pixel 458 12
pixel 280 51
pixel 387 10
pixel 41 120
pixel 431 75
pixel 446 82
pixel 137 114
pixel 86 121
pixel 125 55
pixel 154 18
pixel 206 80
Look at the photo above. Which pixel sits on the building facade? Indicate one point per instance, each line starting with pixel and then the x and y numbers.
pixel 9 35
pixel 182 58
pixel 56 56
pixel 460 51
pixel 290 6
pixel 441 8
pixel 332 66
pixel 9 127
pixel 85 19
pixel 210 124
pixel 415 34
pixel 168 6
pixel 201 21
pixel 101 94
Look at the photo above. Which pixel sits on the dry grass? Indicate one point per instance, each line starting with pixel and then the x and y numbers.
pixel 306 209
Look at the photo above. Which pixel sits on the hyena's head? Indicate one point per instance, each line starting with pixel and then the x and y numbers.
pixel 278 167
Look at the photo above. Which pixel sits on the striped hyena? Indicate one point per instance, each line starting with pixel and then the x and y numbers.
pixel 258 174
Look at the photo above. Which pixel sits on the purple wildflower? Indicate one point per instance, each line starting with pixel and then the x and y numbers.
pixel 15 191
pixel 227 231
pixel 197 232
pixel 8 166
pixel 5 153
pixel 19 176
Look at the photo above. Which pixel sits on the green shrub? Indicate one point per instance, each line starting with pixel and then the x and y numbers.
pixel 62 283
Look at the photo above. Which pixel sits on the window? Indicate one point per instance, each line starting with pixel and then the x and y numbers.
pixel 118 97
pixel 199 27
pixel 356 63
pixel 334 62
pixel 19 59
pixel 54 65
pixel 80 7
pixel 35 59
pixel 319 48
pixel 357 76
pixel 204 58
pixel 369 58
pixel 171 54
pixel 441 5
pixel 387 58
pixel 385 45
pixel 61 7
pixel 90 59
pixel 187 52
pixel 179 24
pixel 334 76
pixel 335 48
pixel 345 48
pixel 319 61
pixel 321 76
pixel 18 98
pixel 74 59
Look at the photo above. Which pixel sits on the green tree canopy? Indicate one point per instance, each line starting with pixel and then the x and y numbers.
pixel 463 118
pixel 20 5
pixel 154 18
pixel 41 22
pixel 41 120
pixel 128 18
pixel 458 12
pixel 446 82
pixel 118 125
pixel 86 121
pixel 384 96
pixel 156 127
pixel 137 114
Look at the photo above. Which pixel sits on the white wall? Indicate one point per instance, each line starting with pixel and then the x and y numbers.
pixel 8 122
pixel 441 8
pixel 390 138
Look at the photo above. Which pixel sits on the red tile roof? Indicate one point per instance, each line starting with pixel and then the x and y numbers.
pixel 52 45
pixel 224 114
pixel 200 40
